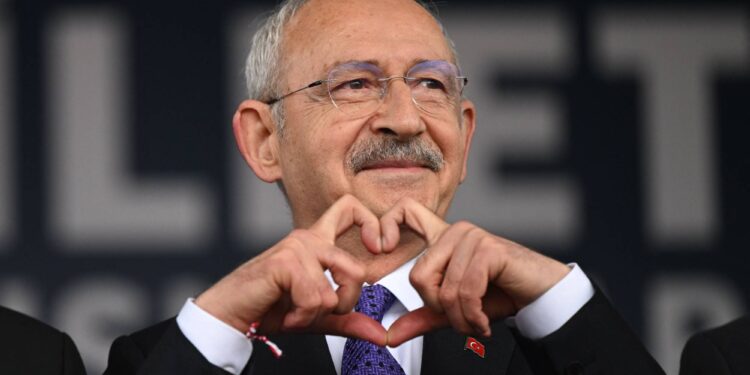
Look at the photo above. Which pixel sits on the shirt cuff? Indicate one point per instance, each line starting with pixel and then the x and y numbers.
pixel 556 306
pixel 222 345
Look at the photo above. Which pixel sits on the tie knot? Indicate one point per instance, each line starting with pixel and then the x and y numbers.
pixel 374 301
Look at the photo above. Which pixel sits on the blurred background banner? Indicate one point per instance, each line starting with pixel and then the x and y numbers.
pixel 613 134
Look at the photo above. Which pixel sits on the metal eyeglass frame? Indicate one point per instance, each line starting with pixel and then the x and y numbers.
pixel 384 87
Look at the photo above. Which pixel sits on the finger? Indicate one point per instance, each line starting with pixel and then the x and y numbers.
pixel 496 304
pixel 413 324
pixel 348 211
pixel 305 298
pixel 472 289
pixel 353 325
pixel 427 274
pixel 315 271
pixel 348 273
pixel 454 298
pixel 416 216
pixel 350 282
pixel 423 320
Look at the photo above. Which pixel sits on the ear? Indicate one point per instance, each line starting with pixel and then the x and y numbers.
pixel 257 139
pixel 468 124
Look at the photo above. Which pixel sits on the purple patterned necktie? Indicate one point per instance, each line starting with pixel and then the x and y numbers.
pixel 365 358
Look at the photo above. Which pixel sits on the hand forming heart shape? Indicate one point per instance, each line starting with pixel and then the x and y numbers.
pixel 454 275
pixel 466 277
pixel 285 289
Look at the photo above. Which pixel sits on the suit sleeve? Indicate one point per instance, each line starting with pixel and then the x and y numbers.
pixel 702 357
pixel 596 340
pixel 161 349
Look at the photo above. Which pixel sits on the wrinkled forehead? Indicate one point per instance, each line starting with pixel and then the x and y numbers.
pixel 395 33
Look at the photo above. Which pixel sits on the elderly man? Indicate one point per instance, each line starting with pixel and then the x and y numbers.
pixel 358 115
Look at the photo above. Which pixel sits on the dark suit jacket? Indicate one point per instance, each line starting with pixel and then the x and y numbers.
pixel 595 341
pixel 721 351
pixel 30 347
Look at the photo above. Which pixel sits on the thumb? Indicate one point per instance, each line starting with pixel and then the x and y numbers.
pixel 496 304
pixel 353 325
pixel 414 324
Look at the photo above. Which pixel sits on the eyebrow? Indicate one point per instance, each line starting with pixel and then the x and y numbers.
pixel 327 67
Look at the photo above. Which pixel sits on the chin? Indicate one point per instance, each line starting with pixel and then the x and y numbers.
pixel 381 201
pixel 379 190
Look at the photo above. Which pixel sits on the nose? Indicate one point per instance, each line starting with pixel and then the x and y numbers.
pixel 398 114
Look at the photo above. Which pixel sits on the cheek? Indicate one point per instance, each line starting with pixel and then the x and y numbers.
pixel 450 140
pixel 319 143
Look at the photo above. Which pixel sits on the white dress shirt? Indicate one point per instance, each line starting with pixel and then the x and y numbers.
pixel 225 347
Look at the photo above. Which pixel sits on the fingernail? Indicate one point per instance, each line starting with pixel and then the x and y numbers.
pixel 483 330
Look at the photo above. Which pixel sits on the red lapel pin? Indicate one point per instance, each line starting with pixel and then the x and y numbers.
pixel 475 346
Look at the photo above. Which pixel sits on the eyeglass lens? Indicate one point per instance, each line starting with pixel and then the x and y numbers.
pixel 357 88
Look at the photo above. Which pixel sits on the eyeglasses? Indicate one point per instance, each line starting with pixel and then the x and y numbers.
pixel 358 88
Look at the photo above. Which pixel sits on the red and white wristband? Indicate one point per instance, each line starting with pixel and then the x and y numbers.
pixel 252 334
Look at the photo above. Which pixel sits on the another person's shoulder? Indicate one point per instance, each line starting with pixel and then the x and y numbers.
pixel 728 338
pixel 738 329
pixel 32 347
pixel 19 327
pixel 721 350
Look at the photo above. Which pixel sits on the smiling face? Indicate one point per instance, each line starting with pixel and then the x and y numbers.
pixel 320 141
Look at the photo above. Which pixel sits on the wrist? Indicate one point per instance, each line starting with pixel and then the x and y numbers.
pixel 547 277
pixel 215 306
pixel 556 306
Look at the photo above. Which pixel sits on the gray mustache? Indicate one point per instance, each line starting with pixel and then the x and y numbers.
pixel 374 150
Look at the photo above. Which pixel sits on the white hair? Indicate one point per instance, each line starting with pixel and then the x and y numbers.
pixel 264 62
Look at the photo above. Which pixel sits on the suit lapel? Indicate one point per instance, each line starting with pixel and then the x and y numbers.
pixel 444 352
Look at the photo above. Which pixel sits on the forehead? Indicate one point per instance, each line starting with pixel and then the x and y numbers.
pixel 395 33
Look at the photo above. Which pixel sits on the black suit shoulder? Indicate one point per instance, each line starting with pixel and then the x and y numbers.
pixel 723 350
pixel 596 340
pixel 159 349
pixel 28 346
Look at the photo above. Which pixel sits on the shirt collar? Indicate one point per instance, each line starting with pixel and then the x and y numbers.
pixel 398 283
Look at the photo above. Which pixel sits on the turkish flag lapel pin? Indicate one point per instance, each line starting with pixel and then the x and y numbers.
pixel 475 346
